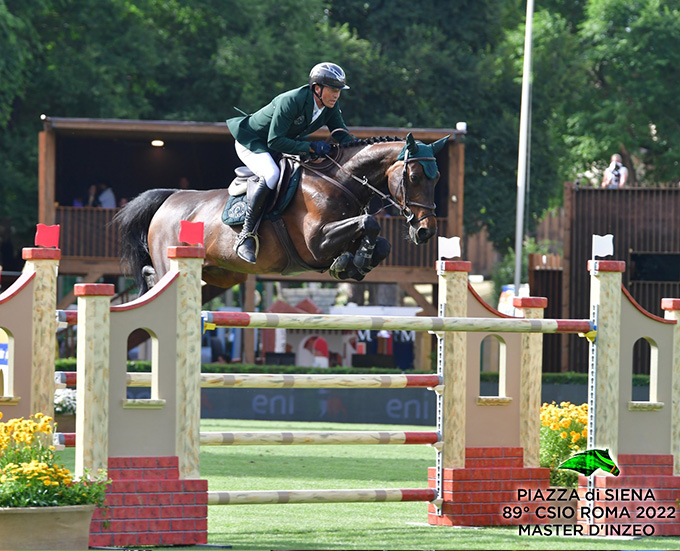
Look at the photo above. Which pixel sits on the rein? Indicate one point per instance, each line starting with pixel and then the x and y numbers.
pixel 364 182
pixel 337 184
pixel 403 209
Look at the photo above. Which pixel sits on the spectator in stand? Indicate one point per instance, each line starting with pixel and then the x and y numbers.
pixel 106 197
pixel 92 198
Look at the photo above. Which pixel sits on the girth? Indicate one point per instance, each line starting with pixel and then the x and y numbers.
pixel 294 263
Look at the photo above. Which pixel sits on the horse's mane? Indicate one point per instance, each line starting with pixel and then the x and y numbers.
pixel 339 149
pixel 360 142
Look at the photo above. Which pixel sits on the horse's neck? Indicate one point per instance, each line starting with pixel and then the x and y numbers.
pixel 372 163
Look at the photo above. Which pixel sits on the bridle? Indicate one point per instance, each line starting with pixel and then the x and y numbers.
pixel 404 208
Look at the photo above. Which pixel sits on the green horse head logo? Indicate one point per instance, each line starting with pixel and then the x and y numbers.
pixel 589 461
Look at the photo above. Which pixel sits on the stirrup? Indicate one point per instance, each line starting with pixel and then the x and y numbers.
pixel 242 238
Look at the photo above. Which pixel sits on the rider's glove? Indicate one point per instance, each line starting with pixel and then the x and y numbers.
pixel 320 148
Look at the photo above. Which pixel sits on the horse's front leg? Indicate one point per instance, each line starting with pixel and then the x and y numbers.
pixel 336 238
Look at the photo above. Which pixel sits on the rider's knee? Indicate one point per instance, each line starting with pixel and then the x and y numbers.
pixel 271 176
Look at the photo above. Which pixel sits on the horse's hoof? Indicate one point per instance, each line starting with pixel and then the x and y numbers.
pixel 338 269
pixel 357 273
pixel 246 250
pixel 149 276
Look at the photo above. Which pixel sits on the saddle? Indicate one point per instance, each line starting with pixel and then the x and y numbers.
pixel 235 208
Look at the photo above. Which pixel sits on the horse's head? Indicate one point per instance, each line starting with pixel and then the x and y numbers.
pixel 411 182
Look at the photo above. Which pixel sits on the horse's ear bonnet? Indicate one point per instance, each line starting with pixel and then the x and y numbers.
pixel 411 145
pixel 437 146
pixel 419 149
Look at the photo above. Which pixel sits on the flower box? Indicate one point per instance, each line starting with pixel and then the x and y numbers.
pixel 65 527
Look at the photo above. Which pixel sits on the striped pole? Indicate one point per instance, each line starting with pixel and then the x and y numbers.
pixel 394 323
pixel 65 439
pixel 264 438
pixel 263 380
pixel 320 496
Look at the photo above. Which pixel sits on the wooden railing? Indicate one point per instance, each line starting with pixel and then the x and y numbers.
pixel 89 233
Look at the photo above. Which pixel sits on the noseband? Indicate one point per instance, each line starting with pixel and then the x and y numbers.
pixel 405 210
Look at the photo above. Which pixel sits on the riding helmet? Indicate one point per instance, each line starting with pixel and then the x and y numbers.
pixel 328 74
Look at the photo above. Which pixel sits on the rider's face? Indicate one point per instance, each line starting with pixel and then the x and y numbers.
pixel 329 96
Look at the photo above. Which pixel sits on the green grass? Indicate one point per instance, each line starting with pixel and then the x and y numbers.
pixel 346 525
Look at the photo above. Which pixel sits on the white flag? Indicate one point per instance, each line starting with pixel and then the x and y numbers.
pixel 603 245
pixel 449 247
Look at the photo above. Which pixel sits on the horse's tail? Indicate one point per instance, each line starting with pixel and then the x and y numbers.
pixel 133 222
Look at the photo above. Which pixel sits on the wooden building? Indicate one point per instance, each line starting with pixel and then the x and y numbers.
pixel 644 223
pixel 76 153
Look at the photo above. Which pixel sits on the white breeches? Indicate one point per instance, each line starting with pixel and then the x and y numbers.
pixel 261 164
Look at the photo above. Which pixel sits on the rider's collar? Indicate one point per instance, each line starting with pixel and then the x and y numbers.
pixel 424 150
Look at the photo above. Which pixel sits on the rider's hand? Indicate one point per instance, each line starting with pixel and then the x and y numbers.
pixel 319 148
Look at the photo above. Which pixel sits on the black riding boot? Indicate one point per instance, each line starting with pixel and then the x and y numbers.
pixel 246 246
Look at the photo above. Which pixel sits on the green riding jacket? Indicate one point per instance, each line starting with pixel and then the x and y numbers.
pixel 283 124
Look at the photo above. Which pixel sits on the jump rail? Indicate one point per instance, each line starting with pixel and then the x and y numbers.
pixel 298 438
pixel 262 380
pixel 320 496
pixel 266 438
pixel 395 323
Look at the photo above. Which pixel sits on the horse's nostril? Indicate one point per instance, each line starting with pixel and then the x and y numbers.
pixel 422 234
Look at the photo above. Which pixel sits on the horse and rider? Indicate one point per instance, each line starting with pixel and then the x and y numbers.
pixel 326 226
pixel 280 127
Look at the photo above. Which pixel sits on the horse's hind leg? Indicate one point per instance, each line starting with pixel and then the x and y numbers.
pixel 158 251
pixel 149 277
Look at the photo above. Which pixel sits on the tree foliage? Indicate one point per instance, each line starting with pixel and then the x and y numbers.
pixel 631 57
pixel 604 77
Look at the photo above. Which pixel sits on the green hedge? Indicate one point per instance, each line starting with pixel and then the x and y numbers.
pixel 69 364
pixel 567 378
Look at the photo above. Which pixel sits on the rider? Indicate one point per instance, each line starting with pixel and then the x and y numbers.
pixel 281 126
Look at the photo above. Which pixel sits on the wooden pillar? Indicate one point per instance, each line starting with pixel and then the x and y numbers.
pixel 92 391
pixel 530 381
pixel 47 168
pixel 188 262
pixel 671 308
pixel 605 296
pixel 45 263
pixel 453 282
pixel 456 183
pixel 248 342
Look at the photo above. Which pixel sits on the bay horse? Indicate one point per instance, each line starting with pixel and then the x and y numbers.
pixel 325 227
